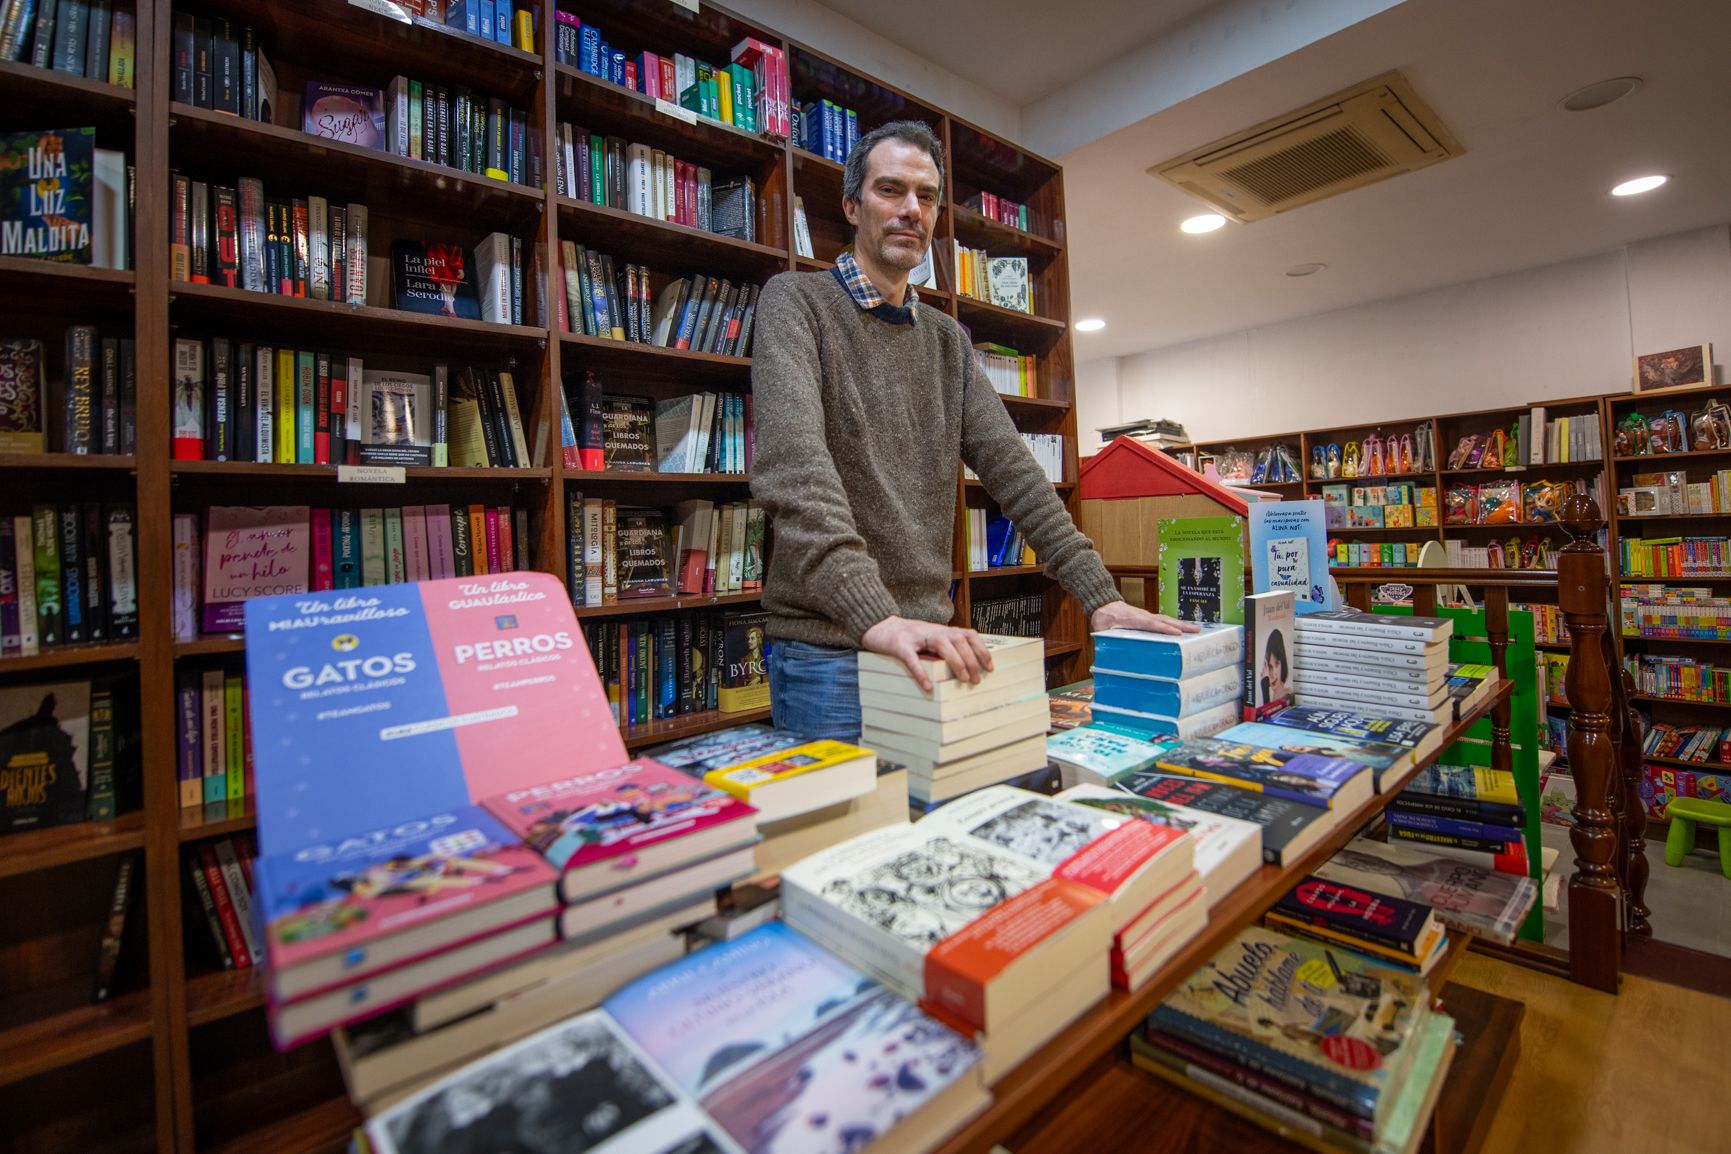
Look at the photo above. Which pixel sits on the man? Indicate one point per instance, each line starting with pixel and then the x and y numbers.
pixel 865 404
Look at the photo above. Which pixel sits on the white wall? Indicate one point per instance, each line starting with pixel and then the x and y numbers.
pixel 852 43
pixel 1561 331
pixel 1096 402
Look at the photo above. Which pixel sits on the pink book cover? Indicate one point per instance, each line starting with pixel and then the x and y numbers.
pixel 252 551
pixel 441 563
pixel 490 516
pixel 415 543
pixel 593 817
pixel 324 576
pixel 507 549
pixel 344 895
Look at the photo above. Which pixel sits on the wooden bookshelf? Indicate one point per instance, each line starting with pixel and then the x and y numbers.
pixel 209 1078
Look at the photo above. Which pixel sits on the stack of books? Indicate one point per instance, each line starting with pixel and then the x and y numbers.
pixel 999 913
pixel 1283 829
pixel 1467 898
pixel 1071 705
pixel 793 1049
pixel 1321 1045
pixel 809 794
pixel 1094 754
pixel 960 736
pixel 1468 812
pixel 1377 664
pixel 1337 913
pixel 1389 747
pixel 1161 685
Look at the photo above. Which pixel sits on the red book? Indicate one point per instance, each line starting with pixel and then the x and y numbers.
pixel 669 81
pixel 339 410
pixel 492 516
pixel 324 568
pixel 322 411
pixel 681 176
pixel 507 545
pixel 225 915
pixel 631 75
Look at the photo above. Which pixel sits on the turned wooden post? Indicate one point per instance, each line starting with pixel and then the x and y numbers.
pixel 1617 731
pixel 1595 930
pixel 1635 909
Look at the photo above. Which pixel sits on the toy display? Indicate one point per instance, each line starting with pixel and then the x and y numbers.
pixel 1461 505
pixel 1710 427
pixel 1541 500
pixel 1499 503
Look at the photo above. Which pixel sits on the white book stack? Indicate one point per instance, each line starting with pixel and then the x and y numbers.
pixel 1374 664
pixel 960 736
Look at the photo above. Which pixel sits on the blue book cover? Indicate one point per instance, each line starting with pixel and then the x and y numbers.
pixel 463 14
pixel 787 1047
pixel 372 706
pixel 590 60
pixel 1309 778
pixel 502 21
pixel 1169 655
pixel 1377 755
pixel 1289 550
pixel 345 549
pixel 486 20
pixel 1453 826
pixel 1409 735
pixel 1162 697
pixel 47 188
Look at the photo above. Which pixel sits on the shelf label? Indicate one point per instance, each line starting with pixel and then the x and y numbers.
pixel 668 109
pixel 384 8
pixel 370 475
pixel 689 4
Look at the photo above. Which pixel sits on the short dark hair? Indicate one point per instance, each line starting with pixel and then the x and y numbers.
pixel 1277 650
pixel 915 132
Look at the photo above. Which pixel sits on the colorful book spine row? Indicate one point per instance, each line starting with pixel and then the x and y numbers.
pixel 213 725
pixel 1686 620
pixel 641 179
pixel 1674 556
pixel 1549 628
pixel 68 576
pixel 1536 552
pixel 667 666
pixel 220 65
pixel 444 124
pixel 1680 678
pixel 318 549
pixel 1009 616
pixel 99 410
pixel 616 555
pixel 997 280
pixel 1662 784
pixel 1010 372
pixel 500 21
pixel 1673 494
pixel 220 873
pixel 994 543
pixel 1372 554
pixel 236 238
pixel 699 313
pixel 999 208
pixel 752 92
pixel 824 128
pixel 1688 742
pixel 95 39
pixel 1399 505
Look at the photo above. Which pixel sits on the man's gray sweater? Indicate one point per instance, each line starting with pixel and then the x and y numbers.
pixel 861 424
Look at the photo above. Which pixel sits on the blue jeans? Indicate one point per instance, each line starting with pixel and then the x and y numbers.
pixel 814 690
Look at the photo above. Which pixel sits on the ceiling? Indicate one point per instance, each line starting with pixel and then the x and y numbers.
pixel 1013 48
pixel 1529 191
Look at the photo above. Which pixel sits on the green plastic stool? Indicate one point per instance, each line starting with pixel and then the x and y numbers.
pixel 1683 813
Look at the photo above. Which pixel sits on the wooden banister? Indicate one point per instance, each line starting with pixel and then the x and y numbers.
pixel 1635 911
pixel 1595 896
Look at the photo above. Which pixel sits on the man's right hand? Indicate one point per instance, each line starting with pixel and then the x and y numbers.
pixel 904 639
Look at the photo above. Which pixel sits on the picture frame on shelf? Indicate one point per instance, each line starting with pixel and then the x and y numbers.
pixel 1674 370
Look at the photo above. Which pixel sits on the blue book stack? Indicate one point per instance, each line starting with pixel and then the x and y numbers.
pixel 1154 685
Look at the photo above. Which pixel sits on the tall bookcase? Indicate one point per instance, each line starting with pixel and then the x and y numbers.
pixel 179 1059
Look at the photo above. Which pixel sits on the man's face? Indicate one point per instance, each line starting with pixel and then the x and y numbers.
pixel 898 206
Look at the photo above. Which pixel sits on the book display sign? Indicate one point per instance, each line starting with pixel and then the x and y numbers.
pixel 1202 569
pixel 370 706
pixel 1288 550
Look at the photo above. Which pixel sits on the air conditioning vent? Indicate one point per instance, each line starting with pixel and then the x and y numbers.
pixel 1368 133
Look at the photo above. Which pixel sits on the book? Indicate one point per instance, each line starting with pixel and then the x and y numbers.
pixel 1166 697
pixel 1421 739
pixel 617 825
pixel 642 553
pixel 628 437
pixel 1346 912
pixel 1479 785
pixel 1169 656
pixel 44 755
pixel 1202 568
pixel 337 913
pixel 1356 622
pixel 1153 726
pixel 744 676
pixel 1093 755
pixel 1289 827
pixel 397 413
pixel 981 953
pixel 723 748
pixel 790 782
pixel 1469 685
pixel 1226 849
pixel 1289 550
pixel 23 396
pixel 1469 898
pixel 1321 1020
pixel 349 113
pixel 1268 636
pixel 252 551
pixel 1010 656
pixel 789 1033
pixel 1308 778
pixel 579 1085
pixel 444 660
pixel 432 277
pixel 47 194
pixel 1071 705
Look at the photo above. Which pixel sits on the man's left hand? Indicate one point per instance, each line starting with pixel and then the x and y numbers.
pixel 1123 615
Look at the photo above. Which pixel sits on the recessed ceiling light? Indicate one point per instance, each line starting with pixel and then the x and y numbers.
pixel 1639 185
pixel 1600 94
pixel 1091 325
pixel 1207 222
pixel 1310 269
